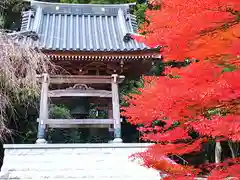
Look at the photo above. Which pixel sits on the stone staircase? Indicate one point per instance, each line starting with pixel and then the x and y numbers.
pixel 74 162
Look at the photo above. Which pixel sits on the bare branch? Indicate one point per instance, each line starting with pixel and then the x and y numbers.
pixel 19 65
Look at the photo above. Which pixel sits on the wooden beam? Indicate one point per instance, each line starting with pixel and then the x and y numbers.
pixel 78 121
pixel 82 79
pixel 79 93
pixel 67 126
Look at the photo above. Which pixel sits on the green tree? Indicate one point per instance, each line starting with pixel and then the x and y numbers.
pixel 10 16
pixel 139 12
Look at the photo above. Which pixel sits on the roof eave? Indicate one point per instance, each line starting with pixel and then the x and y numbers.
pixel 135 51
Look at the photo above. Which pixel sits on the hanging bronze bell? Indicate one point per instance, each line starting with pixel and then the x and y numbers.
pixel 79 107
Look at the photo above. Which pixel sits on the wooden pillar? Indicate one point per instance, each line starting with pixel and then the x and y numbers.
pixel 110 116
pixel 43 115
pixel 116 110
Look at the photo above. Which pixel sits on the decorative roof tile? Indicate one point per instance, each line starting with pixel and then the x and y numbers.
pixel 82 27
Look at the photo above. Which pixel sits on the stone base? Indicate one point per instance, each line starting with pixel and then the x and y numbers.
pixel 117 140
pixel 58 162
pixel 41 141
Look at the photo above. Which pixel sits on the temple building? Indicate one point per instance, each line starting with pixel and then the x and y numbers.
pixel 93 48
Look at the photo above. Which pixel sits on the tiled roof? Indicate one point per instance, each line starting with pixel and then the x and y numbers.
pixel 74 162
pixel 82 27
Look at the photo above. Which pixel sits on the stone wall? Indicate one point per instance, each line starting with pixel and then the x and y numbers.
pixel 74 162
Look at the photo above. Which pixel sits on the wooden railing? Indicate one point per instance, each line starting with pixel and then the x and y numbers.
pixel 77 121
pixel 79 93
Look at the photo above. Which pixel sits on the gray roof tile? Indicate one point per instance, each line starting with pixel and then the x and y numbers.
pixel 82 27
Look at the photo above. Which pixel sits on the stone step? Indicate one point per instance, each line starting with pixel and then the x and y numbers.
pixel 74 162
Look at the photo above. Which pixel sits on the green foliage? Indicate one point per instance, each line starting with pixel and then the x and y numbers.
pixel 22 122
pixel 129 87
pixel 94 113
pixel 139 12
pixel 228 69
pixel 72 135
pixel 59 112
pixel 178 64
pixel 157 69
pixel 2 21
pixel 12 14
pixel 22 113
pixel 99 135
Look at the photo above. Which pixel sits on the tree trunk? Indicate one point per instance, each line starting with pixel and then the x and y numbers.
pixel 218 152
pixel 234 147
pixel 231 148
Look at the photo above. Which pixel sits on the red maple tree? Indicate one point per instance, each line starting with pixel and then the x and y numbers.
pixel 200 99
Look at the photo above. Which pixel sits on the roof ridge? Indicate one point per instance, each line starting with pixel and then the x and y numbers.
pixel 81 5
